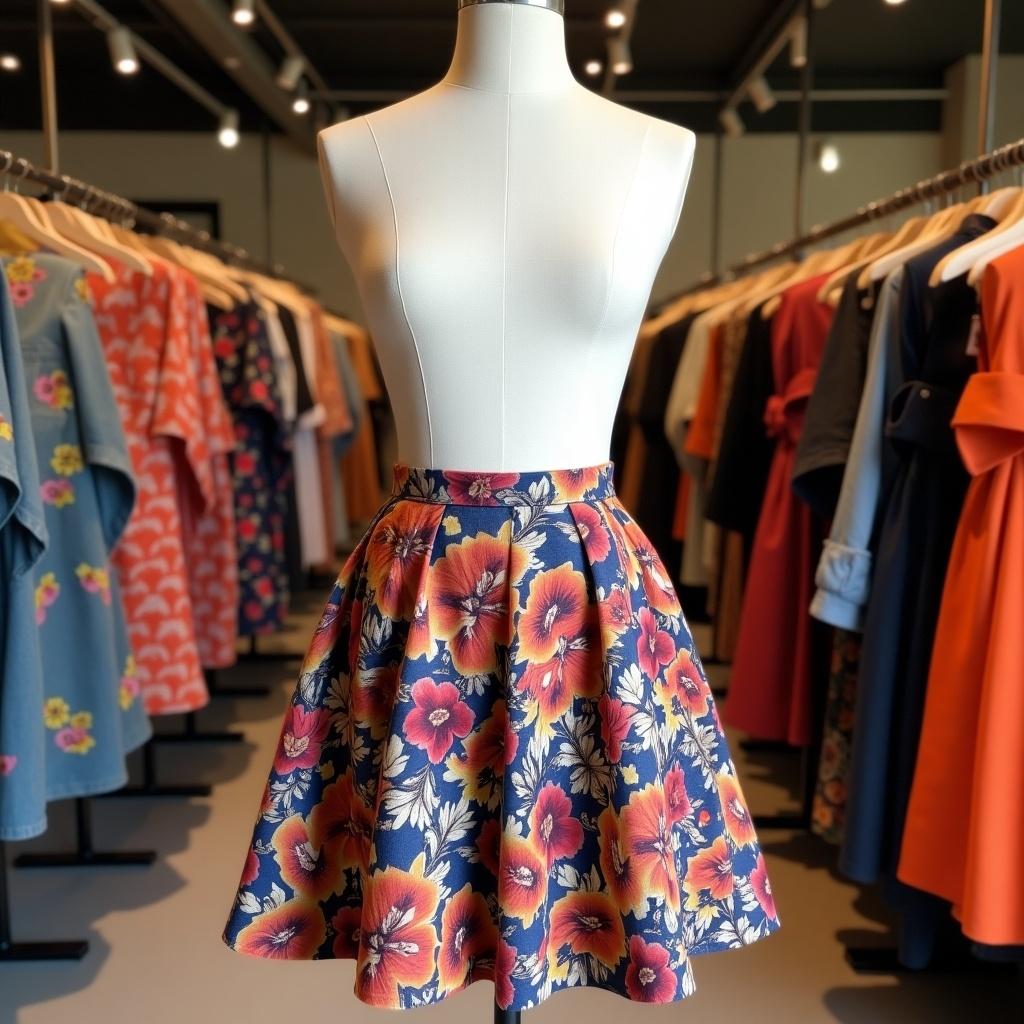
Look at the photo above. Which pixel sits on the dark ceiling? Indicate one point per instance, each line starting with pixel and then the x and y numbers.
pixel 406 44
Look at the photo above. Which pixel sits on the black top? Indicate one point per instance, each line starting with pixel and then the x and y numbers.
pixel 303 395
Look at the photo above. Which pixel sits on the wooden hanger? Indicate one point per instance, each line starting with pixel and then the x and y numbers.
pixel 938 226
pixel 1006 206
pixel 831 289
pixel 823 262
pixel 85 231
pixel 214 286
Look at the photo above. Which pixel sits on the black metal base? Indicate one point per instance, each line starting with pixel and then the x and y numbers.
pixel 25 952
pixel 507 1016
pixel 157 791
pixel 768 747
pixel 193 734
pixel 796 821
pixel 85 859
pixel 233 692
pixel 875 960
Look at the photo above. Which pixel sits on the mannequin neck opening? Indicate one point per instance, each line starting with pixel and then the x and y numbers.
pixel 510 48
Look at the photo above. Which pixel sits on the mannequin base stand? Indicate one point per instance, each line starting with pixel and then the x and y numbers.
pixel 231 692
pixel 797 821
pixel 507 1016
pixel 254 654
pixel 85 855
pixel 25 952
pixel 151 788
pixel 191 733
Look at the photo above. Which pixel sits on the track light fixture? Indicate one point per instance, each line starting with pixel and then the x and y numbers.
pixel 227 135
pixel 10 62
pixel 243 12
pixel 798 44
pixel 761 95
pixel 620 57
pixel 731 123
pixel 301 102
pixel 122 51
pixel 615 18
pixel 291 71
pixel 593 68
pixel 828 157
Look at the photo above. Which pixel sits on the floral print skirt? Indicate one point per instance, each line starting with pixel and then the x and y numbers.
pixel 502 761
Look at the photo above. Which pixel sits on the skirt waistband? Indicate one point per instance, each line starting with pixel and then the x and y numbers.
pixel 545 487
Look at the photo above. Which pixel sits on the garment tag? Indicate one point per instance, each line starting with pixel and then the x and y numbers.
pixel 974 336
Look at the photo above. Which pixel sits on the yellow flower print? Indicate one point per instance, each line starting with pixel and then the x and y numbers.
pixel 82 290
pixel 56 713
pixel 81 720
pixel 59 493
pixel 67 459
pixel 6 431
pixel 74 741
pixel 47 592
pixel 629 775
pixel 54 390
pixel 129 684
pixel 95 579
pixel 451 525
pixel 21 270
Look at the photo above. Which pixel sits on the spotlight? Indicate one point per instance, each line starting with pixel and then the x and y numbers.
pixel 243 12
pixel 227 135
pixel 291 71
pixel 895 3
pixel 300 105
pixel 619 56
pixel 828 157
pixel 615 18
pixel 10 62
pixel 730 122
pixel 798 44
pixel 122 50
pixel 593 68
pixel 60 3
pixel 761 95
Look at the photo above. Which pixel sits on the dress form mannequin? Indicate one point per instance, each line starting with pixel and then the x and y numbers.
pixel 505 227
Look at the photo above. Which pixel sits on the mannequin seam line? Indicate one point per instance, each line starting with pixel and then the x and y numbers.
pixel 401 293
pixel 504 238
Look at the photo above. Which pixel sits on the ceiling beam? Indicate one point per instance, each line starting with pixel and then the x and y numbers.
pixel 209 23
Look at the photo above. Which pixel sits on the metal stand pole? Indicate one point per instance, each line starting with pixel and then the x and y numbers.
pixel 85 856
pixel 716 207
pixel 989 68
pixel 507 1016
pixel 806 84
pixel 21 952
pixel 48 83
pixel 151 788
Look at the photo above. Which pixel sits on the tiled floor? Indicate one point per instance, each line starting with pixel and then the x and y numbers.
pixel 156 955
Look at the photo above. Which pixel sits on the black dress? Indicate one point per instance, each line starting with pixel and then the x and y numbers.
pixel 916 534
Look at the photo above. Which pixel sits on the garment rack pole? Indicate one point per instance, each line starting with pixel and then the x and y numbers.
pixel 48 82
pixel 804 133
pixel 989 71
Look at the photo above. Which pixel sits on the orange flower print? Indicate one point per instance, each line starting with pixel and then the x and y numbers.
pixel 587 922
pixel 478 488
pixel 467 932
pixel 553 829
pixel 738 821
pixel 504 964
pixel 373 697
pixel 593 532
pixel 325 636
pixel 293 931
pixel 397 940
pixel 615 718
pixel 251 871
pixel 682 690
pixel 488 749
pixel 648 836
pixel 398 551
pixel 439 716
pixel 302 735
pixel 658 587
pixel 522 879
pixel 574 671
pixel 343 823
pixel 556 611
pixel 649 979
pixel 310 870
pixel 573 484
pixel 347 925
pixel 763 888
pixel 488 845
pixel 654 647
pixel 619 868
pixel 468 599
pixel 419 643
pixel 677 801
pixel 615 614
pixel 709 870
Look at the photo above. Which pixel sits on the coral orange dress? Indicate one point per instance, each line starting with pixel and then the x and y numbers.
pixel 964 833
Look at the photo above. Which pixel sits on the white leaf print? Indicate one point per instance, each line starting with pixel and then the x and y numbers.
pixel 276 898
pixel 568 877
pixel 394 760
pixel 248 903
pixel 631 686
pixel 415 802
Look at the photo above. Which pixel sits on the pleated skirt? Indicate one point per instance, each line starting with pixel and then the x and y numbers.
pixel 502 760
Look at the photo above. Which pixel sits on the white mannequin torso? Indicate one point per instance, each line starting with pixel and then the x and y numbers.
pixel 505 228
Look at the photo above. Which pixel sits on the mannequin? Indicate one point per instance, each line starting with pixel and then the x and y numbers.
pixel 504 228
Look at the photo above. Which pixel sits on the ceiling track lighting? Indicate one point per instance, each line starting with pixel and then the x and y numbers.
pixel 243 12
pixel 301 104
pixel 895 3
pixel 10 62
pixel 227 134
pixel 122 51
pixel 827 156
pixel 620 58
pixel 593 68
pixel 731 123
pixel 761 95
pixel 615 18
pixel 798 44
pixel 291 71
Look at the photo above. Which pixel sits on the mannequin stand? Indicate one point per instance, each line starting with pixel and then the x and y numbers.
pixel 232 692
pixel 85 855
pixel 151 788
pixel 799 821
pixel 23 952
pixel 191 733
pixel 507 1016
pixel 253 654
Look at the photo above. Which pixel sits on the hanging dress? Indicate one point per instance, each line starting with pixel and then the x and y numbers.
pixel 964 833
pixel 770 686
pixel 91 710
pixel 502 760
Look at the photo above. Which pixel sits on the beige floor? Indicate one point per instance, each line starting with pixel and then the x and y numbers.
pixel 156 956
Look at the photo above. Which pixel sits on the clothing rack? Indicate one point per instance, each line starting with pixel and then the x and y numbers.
pixel 124 212
pixel 970 172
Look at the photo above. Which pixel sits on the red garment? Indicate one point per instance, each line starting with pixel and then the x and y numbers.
pixel 210 546
pixel 770 687
pixel 964 834
pixel 143 325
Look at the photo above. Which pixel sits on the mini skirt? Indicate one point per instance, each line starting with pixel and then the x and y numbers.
pixel 502 760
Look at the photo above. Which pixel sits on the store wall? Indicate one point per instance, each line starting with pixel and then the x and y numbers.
pixel 759 171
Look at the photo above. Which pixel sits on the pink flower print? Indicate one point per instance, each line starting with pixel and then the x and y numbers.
pixel 8 762
pixel 44 388
pixel 47 592
pixel 58 493
pixel 54 390
pixel 21 293
pixel 95 579
pixel 654 647
pixel 74 740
